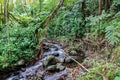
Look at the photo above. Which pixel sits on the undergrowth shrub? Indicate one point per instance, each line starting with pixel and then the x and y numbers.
pixel 69 22
pixel 116 55
pixel 102 70
pixel 20 44
pixel 105 26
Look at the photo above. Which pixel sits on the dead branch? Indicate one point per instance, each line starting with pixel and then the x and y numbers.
pixel 84 68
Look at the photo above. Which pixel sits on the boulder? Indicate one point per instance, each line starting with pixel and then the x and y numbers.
pixel 59 66
pixel 51 68
pixel 23 69
pixel 61 60
pixel 50 60
pixel 68 60
pixel 55 54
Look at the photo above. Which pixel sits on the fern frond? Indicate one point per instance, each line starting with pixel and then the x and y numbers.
pixel 113 34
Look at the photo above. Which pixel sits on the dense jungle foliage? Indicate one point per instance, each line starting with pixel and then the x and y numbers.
pixel 25 23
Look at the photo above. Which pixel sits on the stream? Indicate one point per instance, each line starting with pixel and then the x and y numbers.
pixel 52 66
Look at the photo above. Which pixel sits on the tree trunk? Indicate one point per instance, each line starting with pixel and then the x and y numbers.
pixel 52 15
pixel 48 19
pixel 83 9
pixel 6 21
pixel 1 8
pixel 5 11
pixel 100 7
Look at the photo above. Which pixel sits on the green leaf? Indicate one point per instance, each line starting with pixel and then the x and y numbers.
pixel 117 78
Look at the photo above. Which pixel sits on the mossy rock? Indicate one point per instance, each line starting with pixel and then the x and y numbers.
pixel 68 60
pixel 59 66
pixel 61 60
pixel 51 68
pixel 50 60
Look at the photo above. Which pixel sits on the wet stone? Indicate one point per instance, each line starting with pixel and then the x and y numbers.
pixel 59 66
pixel 55 54
pixel 60 78
pixel 68 60
pixel 48 46
pixel 16 73
pixel 46 49
pixel 50 60
pixel 23 69
pixel 21 76
pixel 40 74
pixel 16 78
pixel 56 49
pixel 61 60
pixel 51 68
pixel 39 78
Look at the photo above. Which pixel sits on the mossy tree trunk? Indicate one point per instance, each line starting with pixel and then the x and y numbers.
pixel 48 19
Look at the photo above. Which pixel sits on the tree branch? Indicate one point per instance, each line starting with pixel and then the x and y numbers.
pixel 44 23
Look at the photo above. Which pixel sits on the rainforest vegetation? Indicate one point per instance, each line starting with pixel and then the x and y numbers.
pixel 91 27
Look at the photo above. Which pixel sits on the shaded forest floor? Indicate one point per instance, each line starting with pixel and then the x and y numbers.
pixel 101 59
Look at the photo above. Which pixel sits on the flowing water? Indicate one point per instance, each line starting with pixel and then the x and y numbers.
pixel 50 67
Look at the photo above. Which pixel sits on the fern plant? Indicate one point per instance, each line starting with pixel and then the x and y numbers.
pixel 113 31
pixel 113 34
